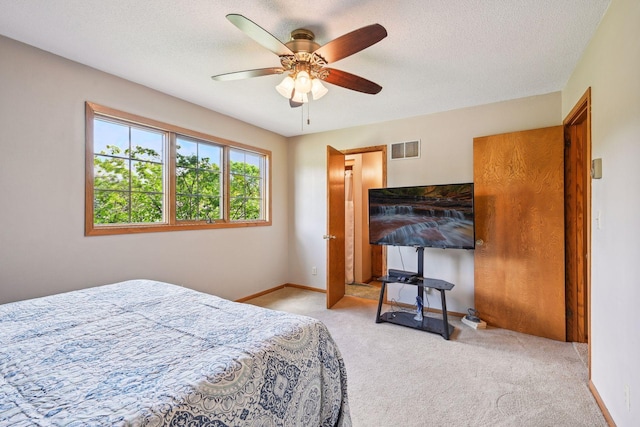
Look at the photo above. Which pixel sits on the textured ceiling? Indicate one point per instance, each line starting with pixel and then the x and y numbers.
pixel 439 55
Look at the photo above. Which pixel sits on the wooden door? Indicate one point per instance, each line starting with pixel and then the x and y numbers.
pixel 519 208
pixel 335 226
pixel 577 184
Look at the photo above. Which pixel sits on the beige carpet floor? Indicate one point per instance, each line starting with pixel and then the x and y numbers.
pixel 399 376
pixel 363 290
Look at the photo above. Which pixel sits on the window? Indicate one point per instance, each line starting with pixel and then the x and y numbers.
pixel 246 185
pixel 198 180
pixel 145 176
pixel 128 173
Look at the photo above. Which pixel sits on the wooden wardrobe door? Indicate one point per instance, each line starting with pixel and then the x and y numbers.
pixel 519 209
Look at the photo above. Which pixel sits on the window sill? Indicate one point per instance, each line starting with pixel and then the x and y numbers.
pixel 107 230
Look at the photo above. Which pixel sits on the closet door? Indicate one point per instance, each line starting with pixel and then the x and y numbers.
pixel 519 208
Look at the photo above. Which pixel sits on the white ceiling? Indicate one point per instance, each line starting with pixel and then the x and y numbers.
pixel 439 55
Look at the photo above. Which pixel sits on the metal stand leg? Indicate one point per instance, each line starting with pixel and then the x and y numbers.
pixel 384 285
pixel 444 314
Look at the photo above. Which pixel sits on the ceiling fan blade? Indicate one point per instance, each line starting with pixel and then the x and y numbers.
pixel 238 75
pixel 351 43
pixel 351 81
pixel 259 34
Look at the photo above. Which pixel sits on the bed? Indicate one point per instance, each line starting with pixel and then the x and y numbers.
pixel 146 353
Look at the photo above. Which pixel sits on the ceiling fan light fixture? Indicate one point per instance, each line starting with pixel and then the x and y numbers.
pixel 305 61
pixel 303 82
pixel 318 90
pixel 285 88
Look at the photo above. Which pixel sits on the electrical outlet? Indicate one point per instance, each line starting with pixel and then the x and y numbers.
pixel 627 397
pixel 314 271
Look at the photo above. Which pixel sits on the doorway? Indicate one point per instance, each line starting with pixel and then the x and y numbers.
pixel 363 262
pixel 575 157
pixel 369 170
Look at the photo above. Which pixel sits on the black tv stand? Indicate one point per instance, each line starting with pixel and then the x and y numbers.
pixel 429 324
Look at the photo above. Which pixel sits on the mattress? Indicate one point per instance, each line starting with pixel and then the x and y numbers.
pixel 146 353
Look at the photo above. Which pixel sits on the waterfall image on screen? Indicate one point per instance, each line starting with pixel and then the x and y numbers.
pixel 438 216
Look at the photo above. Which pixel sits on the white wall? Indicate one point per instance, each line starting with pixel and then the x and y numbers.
pixel 611 67
pixel 43 249
pixel 447 157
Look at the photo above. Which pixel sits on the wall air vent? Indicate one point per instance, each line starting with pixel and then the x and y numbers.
pixel 405 150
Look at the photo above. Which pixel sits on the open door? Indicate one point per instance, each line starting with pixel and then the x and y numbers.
pixel 577 184
pixel 335 226
pixel 519 208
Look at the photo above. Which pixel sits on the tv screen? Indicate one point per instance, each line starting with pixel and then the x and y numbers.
pixel 438 216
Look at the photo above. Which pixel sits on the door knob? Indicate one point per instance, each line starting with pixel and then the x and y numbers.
pixel 479 242
pixel 328 236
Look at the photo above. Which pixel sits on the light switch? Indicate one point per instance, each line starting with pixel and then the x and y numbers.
pixel 596 168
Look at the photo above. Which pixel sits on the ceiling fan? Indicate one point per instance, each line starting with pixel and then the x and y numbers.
pixel 305 61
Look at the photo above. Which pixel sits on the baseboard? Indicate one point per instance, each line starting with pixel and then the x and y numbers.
pixel 603 408
pixel 289 285
pixel 306 288
pixel 259 294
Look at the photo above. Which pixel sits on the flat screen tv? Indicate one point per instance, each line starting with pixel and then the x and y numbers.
pixel 430 216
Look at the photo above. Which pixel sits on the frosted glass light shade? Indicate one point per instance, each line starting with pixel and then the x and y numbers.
pixel 318 90
pixel 303 82
pixel 286 87
pixel 300 97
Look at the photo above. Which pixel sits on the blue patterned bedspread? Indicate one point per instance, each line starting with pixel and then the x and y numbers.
pixel 146 353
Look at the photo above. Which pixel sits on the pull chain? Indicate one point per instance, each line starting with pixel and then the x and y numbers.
pixel 302 116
